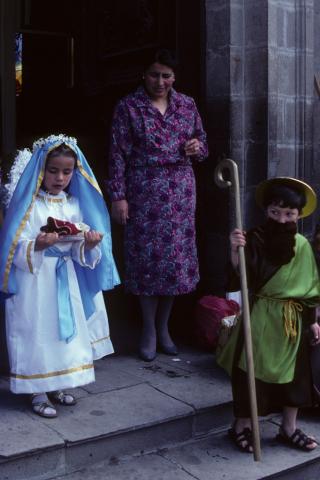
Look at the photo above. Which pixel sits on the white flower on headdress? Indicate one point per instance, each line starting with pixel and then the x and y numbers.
pixel 21 160
pixel 54 139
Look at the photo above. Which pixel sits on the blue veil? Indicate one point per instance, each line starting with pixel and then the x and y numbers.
pixel 84 186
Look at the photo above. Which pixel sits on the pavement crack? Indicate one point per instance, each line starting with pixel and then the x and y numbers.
pixel 162 454
pixel 175 398
pixel 50 427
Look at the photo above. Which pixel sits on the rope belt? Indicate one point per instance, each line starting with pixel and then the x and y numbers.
pixel 67 328
pixel 290 313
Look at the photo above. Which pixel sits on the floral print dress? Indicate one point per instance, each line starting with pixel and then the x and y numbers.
pixel 149 168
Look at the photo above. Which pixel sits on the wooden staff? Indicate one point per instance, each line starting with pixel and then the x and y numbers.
pixel 232 168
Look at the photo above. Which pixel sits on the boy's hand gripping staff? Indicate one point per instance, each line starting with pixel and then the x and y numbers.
pixel 232 168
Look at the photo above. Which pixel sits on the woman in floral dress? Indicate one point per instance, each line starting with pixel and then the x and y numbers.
pixel 156 134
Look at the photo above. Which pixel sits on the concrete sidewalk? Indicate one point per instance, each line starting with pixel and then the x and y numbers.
pixel 132 408
pixel 212 458
pixel 164 420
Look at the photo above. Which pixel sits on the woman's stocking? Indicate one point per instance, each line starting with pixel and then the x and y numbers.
pixel 162 319
pixel 148 342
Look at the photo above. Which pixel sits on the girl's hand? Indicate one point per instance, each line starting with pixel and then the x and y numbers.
pixel 45 240
pixel 120 211
pixel 192 147
pixel 91 239
pixel 315 333
pixel 237 239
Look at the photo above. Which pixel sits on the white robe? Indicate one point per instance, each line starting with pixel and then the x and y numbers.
pixel 39 360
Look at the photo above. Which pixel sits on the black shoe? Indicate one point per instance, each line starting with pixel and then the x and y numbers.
pixel 147 356
pixel 168 350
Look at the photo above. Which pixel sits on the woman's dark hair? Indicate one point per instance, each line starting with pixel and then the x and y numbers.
pixel 163 56
pixel 62 149
pixel 284 197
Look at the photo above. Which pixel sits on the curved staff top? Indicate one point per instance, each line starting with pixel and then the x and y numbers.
pixel 84 186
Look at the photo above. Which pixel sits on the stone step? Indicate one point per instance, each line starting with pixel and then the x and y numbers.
pixel 213 458
pixel 132 408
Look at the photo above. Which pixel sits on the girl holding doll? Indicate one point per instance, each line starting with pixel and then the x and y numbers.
pixel 56 320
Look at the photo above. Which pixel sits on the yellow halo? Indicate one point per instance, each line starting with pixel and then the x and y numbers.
pixel 311 197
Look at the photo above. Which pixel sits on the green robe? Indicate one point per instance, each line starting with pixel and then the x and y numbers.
pixel 293 286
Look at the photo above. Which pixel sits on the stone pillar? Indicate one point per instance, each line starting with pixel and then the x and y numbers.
pixel 259 98
pixel 315 171
pixel 249 97
pixel 290 90
pixel 213 203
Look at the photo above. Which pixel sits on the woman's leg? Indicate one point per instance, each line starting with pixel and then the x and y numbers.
pixel 148 342
pixel 162 319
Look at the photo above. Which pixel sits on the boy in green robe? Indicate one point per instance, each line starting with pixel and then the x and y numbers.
pixel 284 293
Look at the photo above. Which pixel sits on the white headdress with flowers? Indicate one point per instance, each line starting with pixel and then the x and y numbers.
pixel 23 157
pixel 21 161
pixel 54 139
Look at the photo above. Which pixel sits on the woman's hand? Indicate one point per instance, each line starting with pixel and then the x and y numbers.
pixel 120 211
pixel 45 240
pixel 315 333
pixel 192 147
pixel 91 239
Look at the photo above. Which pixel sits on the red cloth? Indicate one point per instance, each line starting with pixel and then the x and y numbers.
pixel 60 226
pixel 210 311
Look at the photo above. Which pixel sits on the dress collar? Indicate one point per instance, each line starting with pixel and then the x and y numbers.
pixel 143 99
pixel 44 196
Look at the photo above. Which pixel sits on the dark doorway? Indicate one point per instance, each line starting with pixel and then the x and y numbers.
pixel 78 59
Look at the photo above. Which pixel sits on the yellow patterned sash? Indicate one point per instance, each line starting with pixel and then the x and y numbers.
pixel 290 313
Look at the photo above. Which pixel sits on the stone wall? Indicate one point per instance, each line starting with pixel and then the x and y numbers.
pixel 260 100
pixel 315 170
pixel 290 91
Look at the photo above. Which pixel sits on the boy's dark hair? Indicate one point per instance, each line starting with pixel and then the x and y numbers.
pixel 62 149
pixel 163 56
pixel 284 197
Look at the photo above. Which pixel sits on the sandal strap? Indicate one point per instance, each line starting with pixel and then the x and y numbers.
pixel 40 409
pixel 43 405
pixel 301 439
pixel 244 436
pixel 61 397
pixel 297 440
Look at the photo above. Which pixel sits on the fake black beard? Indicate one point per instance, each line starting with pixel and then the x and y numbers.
pixel 279 241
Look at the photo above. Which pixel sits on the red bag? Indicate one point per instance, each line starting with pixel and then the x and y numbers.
pixel 210 311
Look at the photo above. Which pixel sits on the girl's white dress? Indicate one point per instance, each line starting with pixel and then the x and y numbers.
pixel 39 360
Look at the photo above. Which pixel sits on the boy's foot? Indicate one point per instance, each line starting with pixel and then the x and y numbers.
pixel 42 406
pixel 298 440
pixel 242 439
pixel 62 398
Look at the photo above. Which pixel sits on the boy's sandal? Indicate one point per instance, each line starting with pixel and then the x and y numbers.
pixel 298 440
pixel 43 409
pixel 62 398
pixel 243 439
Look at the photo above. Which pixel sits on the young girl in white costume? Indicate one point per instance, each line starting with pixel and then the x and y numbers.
pixel 56 320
